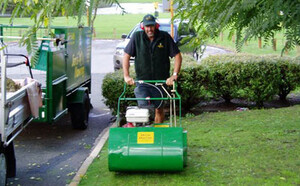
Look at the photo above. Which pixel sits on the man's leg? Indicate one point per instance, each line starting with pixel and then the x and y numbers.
pixel 159 115
pixel 141 91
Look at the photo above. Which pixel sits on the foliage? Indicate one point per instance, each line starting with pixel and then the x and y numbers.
pixel 256 78
pixel 42 12
pixel 223 71
pixel 245 18
pixel 112 88
pixel 260 79
pixel 289 76
pixel 11 86
pixel 192 86
pixel 252 46
pixel 256 147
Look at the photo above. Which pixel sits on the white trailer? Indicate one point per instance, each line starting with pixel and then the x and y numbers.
pixel 15 115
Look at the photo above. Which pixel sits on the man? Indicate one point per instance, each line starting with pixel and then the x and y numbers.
pixel 152 50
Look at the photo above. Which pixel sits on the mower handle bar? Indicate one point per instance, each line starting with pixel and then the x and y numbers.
pixel 150 81
pixel 176 96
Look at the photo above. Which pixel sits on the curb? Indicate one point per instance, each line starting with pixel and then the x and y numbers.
pixel 102 138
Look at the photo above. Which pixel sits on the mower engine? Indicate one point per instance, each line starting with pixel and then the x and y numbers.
pixel 137 116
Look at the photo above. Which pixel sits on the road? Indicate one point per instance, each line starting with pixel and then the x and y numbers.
pixel 51 154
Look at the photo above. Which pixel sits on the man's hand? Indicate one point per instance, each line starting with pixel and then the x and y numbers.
pixel 126 65
pixel 171 79
pixel 177 66
pixel 129 80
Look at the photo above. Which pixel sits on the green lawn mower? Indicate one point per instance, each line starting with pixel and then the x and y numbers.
pixel 148 146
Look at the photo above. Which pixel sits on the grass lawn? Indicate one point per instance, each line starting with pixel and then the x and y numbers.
pixel 118 24
pixel 256 147
pixel 252 45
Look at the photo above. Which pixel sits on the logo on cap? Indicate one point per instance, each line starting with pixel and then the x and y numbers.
pixel 149 18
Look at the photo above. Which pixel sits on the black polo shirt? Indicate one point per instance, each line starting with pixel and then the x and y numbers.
pixel 152 58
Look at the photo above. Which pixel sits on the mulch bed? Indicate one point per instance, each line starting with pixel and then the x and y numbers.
pixel 241 105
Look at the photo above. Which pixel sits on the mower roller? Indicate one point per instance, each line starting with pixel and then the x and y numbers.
pixel 148 147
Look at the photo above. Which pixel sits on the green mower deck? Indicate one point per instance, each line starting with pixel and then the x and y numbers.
pixel 147 149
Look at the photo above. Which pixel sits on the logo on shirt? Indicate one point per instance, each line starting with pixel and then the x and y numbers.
pixel 160 45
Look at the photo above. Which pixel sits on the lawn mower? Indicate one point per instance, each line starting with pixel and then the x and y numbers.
pixel 146 146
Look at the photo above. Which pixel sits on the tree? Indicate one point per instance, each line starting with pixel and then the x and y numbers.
pixel 245 18
pixel 42 12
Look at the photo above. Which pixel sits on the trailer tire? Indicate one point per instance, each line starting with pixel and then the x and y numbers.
pixel 80 113
pixel 3 169
pixel 9 152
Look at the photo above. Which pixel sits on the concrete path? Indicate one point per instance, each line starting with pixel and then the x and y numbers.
pixel 210 50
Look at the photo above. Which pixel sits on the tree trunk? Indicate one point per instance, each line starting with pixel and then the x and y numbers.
pixel 274 43
pixel 259 42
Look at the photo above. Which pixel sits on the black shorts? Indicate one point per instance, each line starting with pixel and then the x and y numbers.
pixel 145 90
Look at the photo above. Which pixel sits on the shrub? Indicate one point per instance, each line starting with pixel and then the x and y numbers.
pixel 192 84
pixel 112 88
pixel 224 75
pixel 257 78
pixel 289 76
pixel 260 79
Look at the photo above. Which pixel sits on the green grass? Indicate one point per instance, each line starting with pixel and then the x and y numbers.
pixel 118 24
pixel 252 45
pixel 256 147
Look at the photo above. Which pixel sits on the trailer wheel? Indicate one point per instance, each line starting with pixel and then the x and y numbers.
pixel 9 152
pixel 80 113
pixel 3 169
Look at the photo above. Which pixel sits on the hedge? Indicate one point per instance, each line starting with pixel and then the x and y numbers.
pixel 256 78
pixel 112 87
pixel 190 92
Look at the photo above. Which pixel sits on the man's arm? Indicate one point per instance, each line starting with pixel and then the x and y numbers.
pixel 177 66
pixel 126 65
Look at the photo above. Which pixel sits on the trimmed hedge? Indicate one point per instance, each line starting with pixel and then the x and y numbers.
pixel 289 76
pixel 223 78
pixel 192 86
pixel 256 78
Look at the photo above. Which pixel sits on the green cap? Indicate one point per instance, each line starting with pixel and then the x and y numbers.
pixel 149 20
